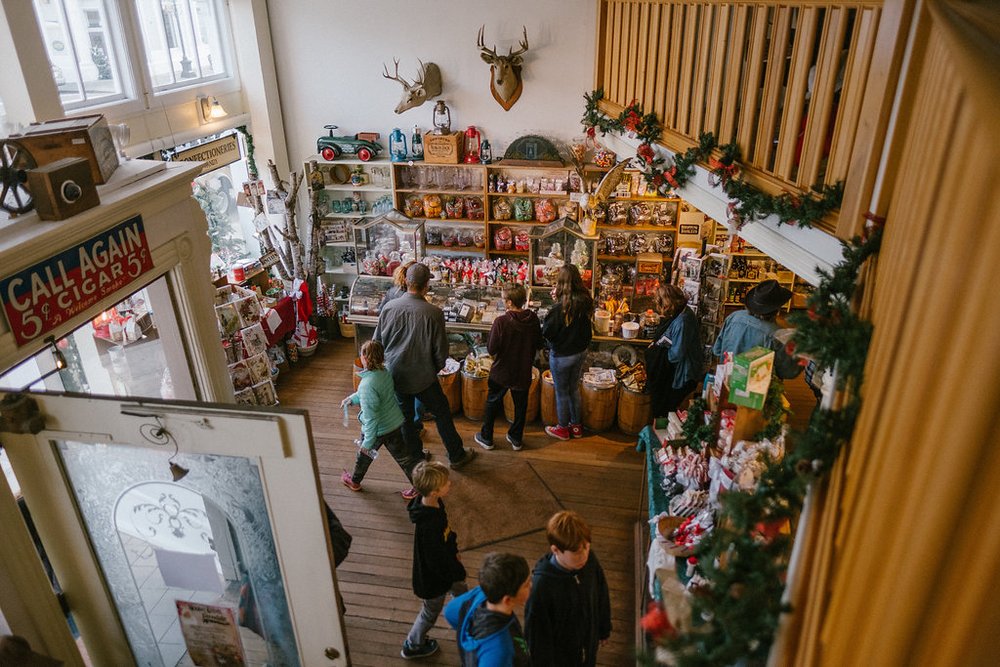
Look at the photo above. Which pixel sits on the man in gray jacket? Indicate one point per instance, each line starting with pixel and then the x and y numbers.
pixel 412 332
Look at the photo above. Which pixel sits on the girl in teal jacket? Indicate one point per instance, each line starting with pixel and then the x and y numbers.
pixel 380 417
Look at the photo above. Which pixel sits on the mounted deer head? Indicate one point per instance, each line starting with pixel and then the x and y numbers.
pixel 505 71
pixel 426 85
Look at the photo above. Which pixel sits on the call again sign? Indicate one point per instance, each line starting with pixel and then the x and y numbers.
pixel 41 297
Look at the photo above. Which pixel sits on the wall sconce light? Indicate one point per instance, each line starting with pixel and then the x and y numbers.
pixel 57 356
pixel 210 109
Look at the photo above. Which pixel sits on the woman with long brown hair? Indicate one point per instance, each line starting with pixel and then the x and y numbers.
pixel 567 330
pixel 674 360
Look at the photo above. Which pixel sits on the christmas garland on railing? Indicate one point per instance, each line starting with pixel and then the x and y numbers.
pixel 748 203
pixel 746 557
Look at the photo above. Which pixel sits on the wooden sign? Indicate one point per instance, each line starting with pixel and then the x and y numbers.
pixel 41 297
pixel 214 154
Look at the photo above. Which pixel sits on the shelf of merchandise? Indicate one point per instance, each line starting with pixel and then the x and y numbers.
pixel 358 188
pixel 638 228
pixel 404 173
pixel 348 216
pixel 461 222
pixel 379 175
pixel 467 250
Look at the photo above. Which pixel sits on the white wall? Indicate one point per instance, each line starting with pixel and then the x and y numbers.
pixel 329 57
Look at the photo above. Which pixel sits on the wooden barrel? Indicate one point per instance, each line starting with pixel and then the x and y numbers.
pixel 452 388
pixel 548 400
pixel 356 378
pixel 473 396
pixel 534 400
pixel 633 411
pixel 599 406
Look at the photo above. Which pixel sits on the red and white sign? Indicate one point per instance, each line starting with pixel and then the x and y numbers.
pixel 41 297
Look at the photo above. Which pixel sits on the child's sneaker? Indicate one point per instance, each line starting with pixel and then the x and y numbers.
pixel 348 480
pixel 409 493
pixel 482 442
pixel 411 652
pixel 558 432
pixel 516 445
pixel 576 430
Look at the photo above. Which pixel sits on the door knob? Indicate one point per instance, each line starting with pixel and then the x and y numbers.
pixel 331 653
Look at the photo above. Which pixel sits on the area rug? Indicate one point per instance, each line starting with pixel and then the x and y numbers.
pixel 498 503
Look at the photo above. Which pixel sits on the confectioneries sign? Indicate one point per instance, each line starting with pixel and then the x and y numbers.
pixel 41 297
pixel 214 154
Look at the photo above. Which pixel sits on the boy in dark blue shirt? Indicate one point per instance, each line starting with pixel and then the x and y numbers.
pixel 489 634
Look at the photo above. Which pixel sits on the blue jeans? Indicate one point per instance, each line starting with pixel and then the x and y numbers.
pixel 436 402
pixel 566 373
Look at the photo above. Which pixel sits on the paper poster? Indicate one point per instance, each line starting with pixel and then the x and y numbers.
pixel 210 634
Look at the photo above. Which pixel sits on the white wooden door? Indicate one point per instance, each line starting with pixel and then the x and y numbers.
pixel 243 529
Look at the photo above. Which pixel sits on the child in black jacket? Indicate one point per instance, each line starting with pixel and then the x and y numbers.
pixel 437 568
pixel 569 612
pixel 514 338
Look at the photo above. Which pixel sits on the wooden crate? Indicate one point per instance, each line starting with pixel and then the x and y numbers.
pixel 82 136
pixel 443 148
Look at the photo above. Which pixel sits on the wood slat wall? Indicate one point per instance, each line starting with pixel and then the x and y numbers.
pixel 741 70
pixel 911 573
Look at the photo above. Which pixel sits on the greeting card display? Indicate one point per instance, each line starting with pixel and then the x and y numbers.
pixel 244 341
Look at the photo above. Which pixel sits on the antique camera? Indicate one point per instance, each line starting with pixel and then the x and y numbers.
pixel 63 188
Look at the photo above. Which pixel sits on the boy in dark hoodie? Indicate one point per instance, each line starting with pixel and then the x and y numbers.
pixel 489 634
pixel 514 338
pixel 437 568
pixel 569 612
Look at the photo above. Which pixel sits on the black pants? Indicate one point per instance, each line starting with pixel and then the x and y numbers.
pixel 393 442
pixel 494 406
pixel 667 400
pixel 436 403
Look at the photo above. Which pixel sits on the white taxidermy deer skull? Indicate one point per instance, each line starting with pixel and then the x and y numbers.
pixel 425 86
pixel 505 71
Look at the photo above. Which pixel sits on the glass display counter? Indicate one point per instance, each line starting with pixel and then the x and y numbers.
pixel 468 309
pixel 385 242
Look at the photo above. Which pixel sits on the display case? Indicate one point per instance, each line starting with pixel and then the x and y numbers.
pixel 385 242
pixel 559 243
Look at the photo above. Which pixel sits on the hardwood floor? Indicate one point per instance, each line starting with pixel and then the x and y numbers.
pixel 600 476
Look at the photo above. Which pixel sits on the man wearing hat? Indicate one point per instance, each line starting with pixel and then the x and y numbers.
pixel 412 332
pixel 755 327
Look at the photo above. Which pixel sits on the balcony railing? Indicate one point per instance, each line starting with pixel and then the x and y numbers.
pixel 786 81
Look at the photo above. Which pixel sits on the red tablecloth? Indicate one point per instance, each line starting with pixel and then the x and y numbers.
pixel 285 309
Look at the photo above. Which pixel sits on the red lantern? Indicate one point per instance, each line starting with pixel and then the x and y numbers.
pixel 472 139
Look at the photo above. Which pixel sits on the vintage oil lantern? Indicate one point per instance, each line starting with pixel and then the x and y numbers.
pixel 397 145
pixel 472 139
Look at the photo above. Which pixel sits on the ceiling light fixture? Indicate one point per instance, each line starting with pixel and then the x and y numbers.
pixel 210 109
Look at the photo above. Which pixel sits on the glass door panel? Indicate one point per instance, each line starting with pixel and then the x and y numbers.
pixel 205 538
pixel 131 349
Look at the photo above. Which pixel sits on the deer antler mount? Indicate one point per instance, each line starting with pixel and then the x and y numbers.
pixel 426 86
pixel 505 71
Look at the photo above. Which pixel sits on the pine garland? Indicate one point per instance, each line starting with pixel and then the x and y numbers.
pixel 745 559
pixel 748 203
pixel 697 432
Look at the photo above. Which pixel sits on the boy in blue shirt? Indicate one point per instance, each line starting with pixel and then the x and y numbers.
pixel 489 634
